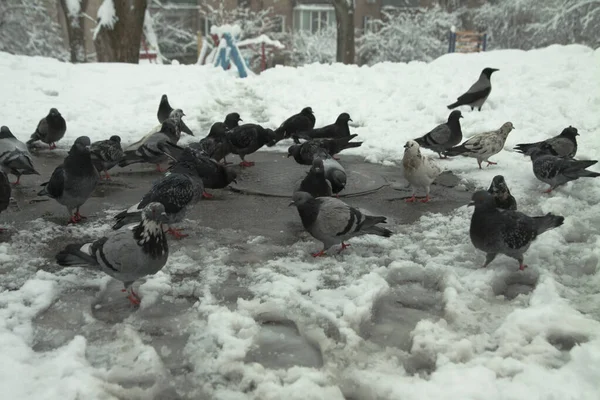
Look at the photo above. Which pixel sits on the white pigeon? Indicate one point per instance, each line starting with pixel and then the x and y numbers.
pixel 420 171
pixel 483 145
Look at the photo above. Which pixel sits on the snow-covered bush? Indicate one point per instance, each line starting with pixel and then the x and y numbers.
pixel 526 24
pixel 405 36
pixel 318 47
pixel 28 27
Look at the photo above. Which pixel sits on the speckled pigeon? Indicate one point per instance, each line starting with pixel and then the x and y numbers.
pixel 563 145
pixel 164 112
pixel 502 196
pixel 483 145
pixel 478 93
pixel 14 156
pixel 73 182
pixel 247 139
pixel 179 190
pixel 443 137
pixel 497 231
pixel 127 254
pixel 106 154
pixel 50 129
pixel 332 221
pixel 302 122
pixel 556 171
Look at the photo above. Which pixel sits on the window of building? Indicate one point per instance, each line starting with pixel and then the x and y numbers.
pixel 279 23
pixel 207 23
pixel 369 24
pixel 313 18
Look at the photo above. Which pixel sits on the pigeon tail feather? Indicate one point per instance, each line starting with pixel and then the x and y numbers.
pixel 73 256
pixel 126 218
pixel 454 105
pixel 455 151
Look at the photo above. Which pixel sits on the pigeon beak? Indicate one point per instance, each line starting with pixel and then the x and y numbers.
pixel 461 116
pixel 471 204
pixel 234 181
pixel 87 148
pixel 240 119
pixel 289 155
pixel 350 119
pixel 291 203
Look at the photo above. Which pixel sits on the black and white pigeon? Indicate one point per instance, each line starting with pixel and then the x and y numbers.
pixel 478 93
pixel 14 156
pixel 497 231
pixel 302 122
pixel 5 192
pixel 443 137
pixel 502 196
pixel 305 152
pixel 74 181
pixel 563 145
pixel 232 120
pixel 338 129
pixel 483 145
pixel 128 254
pixel 556 171
pixel 315 182
pixel 106 154
pixel 215 144
pixel 179 190
pixel 332 221
pixel 50 129
pixel 247 139
pixel 164 111
pixel 155 149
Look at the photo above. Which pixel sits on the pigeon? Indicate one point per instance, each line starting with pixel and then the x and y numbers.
pixel 248 138
pixel 106 154
pixel 315 182
pixel 14 156
pixel 232 120
pixel 419 170
pixel 501 194
pixel 164 112
pixel 563 145
pixel 332 221
pixel 175 118
pixel 301 122
pixel 478 93
pixel 334 173
pixel 305 153
pixel 497 231
pixel 5 192
pixel 338 129
pixel 154 149
pixel 483 145
pixel 179 190
pixel 444 136
pixel 73 182
pixel 214 144
pixel 556 171
pixel 126 255
pixel 50 129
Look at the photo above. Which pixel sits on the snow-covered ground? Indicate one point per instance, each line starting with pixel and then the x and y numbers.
pixel 470 343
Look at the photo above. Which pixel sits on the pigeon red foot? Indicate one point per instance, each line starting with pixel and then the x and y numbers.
pixel 426 199
pixel 319 254
pixel 547 191
pixel 206 195
pixel 176 233
pixel 247 164
pixel 52 146
pixel 133 297
pixel 411 200
pixel 107 176
pixel 522 267
pixel 491 163
pixel 344 247
pixel 159 169
pixel 18 181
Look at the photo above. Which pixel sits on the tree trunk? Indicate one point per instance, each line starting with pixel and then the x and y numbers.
pixel 344 15
pixel 75 31
pixel 121 42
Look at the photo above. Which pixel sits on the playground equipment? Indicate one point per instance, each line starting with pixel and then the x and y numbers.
pixel 466 41
pixel 223 49
pixel 146 53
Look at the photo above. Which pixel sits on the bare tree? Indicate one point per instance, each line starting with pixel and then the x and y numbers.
pixel 73 11
pixel 118 35
pixel 344 15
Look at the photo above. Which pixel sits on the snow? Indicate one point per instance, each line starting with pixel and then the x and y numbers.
pixel 106 16
pixel 74 7
pixel 261 39
pixel 235 30
pixel 474 342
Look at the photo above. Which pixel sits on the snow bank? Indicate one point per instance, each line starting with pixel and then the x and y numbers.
pixel 477 345
pixel 260 40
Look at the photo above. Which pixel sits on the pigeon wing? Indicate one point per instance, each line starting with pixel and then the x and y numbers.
pixel 517 229
pixel 56 184
pixel 174 191
pixel 242 138
pixel 336 218
pixel 440 134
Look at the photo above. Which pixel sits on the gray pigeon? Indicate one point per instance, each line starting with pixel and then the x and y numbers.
pixel 315 182
pixel 305 153
pixel 5 192
pixel 478 93
pixel 335 174
pixel 333 222
pixel 106 154
pixel 502 196
pixel 73 182
pixel 496 231
pixel 126 255
pixel 50 129
pixel 557 171
pixel 563 145
pixel 154 149
pixel 14 156
pixel 443 137
pixel 179 190
pixel 164 112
